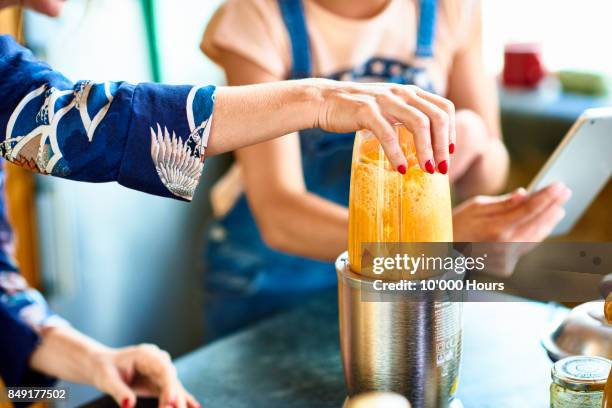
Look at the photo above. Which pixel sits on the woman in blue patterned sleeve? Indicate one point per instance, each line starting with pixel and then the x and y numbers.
pixel 154 138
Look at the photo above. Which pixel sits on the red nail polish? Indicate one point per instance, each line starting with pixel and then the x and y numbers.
pixel 451 148
pixel 429 166
pixel 401 168
pixel 125 403
pixel 443 167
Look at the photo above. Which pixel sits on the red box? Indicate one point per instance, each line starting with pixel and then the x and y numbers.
pixel 523 65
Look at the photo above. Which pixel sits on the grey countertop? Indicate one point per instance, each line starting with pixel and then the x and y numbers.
pixel 293 360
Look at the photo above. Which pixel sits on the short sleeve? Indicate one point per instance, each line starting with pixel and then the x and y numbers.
pixel 252 29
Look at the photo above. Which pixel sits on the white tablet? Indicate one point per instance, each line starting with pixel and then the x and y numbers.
pixel 583 162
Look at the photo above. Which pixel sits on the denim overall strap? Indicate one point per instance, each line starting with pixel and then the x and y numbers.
pixel 295 21
pixel 245 278
pixel 427 28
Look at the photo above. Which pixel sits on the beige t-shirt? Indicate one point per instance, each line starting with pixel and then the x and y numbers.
pixel 255 30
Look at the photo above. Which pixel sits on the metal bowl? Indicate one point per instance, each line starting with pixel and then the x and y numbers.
pixel 583 331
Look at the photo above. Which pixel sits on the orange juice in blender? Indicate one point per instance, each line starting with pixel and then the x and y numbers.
pixel 388 207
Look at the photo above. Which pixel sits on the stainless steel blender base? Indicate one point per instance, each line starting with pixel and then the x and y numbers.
pixel 412 348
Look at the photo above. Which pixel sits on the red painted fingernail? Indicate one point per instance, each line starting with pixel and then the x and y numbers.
pixel 443 167
pixel 451 148
pixel 125 403
pixel 429 166
pixel 401 168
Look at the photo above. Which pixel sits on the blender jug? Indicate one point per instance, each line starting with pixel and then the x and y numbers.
pixel 410 346
pixel 388 207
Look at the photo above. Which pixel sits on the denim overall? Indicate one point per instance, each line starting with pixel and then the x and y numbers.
pixel 245 280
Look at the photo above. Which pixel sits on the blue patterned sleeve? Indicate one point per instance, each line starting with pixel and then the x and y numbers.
pixel 147 137
pixel 23 314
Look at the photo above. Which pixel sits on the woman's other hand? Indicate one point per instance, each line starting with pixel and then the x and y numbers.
pixel 124 373
pixel 347 107
pixel 142 370
pixel 514 218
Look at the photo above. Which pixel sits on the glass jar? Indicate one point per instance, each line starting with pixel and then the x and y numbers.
pixel 388 207
pixel 578 382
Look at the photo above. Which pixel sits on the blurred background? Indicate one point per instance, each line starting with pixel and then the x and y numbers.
pixel 125 267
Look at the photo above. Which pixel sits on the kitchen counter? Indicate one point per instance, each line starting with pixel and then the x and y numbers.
pixel 548 102
pixel 293 360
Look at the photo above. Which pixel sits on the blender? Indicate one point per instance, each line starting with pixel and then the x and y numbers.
pixel 410 346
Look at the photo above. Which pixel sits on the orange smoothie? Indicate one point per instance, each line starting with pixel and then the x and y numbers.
pixel 388 207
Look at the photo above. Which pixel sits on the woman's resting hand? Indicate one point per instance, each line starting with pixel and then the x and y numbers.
pixel 124 373
pixel 142 370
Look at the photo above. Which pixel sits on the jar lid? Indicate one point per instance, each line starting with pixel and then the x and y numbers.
pixel 582 373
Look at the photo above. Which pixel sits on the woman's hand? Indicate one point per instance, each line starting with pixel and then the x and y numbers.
pixel 246 115
pixel 142 370
pixel 347 107
pixel 514 218
pixel 124 373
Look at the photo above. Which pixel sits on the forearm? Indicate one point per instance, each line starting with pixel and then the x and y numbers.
pixel 251 114
pixel 472 89
pixel 67 354
pixel 488 173
pixel 305 224
pixel 481 163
